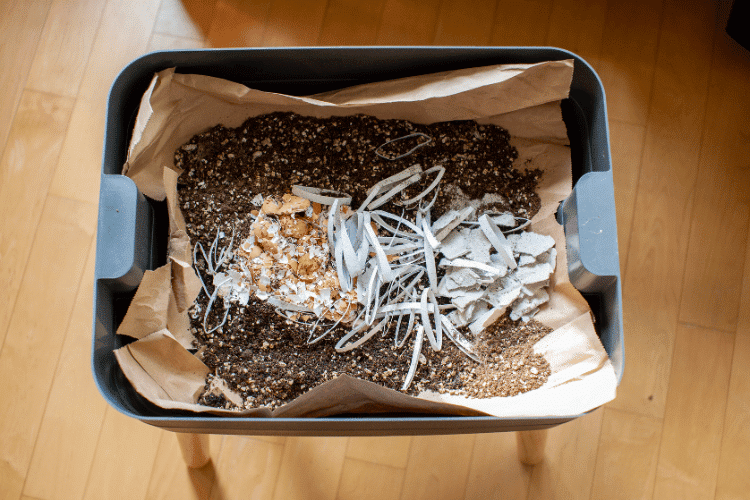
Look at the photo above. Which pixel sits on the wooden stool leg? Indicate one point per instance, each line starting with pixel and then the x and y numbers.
pixel 531 446
pixel 195 449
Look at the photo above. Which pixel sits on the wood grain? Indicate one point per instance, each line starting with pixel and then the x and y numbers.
pixel 237 23
pixel 185 18
pixel 438 467
pixel 37 328
pixel 123 35
pixel 21 23
pixel 124 457
pixel 567 471
pixel 579 27
pixel 35 138
pixel 464 22
pixel 67 438
pixel 341 15
pixel 362 480
pixel 310 468
pixel 292 23
pixel 495 471
pixel 247 468
pixel 521 23
pixel 626 63
pixel 626 461
pixel 721 211
pixel 408 22
pixel 733 482
pixel 679 128
pixel 627 149
pixel 691 439
pixel 388 450
pixel 656 253
pixel 170 479
pixel 64 47
pixel 169 42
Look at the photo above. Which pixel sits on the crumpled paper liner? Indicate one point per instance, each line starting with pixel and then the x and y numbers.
pixel 524 99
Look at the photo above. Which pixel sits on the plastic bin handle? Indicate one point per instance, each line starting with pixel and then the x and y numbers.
pixel 591 232
pixel 122 237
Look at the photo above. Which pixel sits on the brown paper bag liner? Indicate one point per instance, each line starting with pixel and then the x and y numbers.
pixel 525 99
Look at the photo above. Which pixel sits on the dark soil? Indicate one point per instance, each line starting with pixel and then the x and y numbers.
pixel 264 356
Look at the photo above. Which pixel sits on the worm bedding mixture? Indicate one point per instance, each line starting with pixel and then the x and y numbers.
pixel 300 286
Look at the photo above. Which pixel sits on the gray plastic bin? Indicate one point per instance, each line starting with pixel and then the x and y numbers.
pixel 132 232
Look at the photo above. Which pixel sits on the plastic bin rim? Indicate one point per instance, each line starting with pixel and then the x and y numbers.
pixel 123 73
pixel 567 54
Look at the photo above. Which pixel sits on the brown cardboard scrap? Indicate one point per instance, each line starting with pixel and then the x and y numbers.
pixel 185 284
pixel 178 324
pixel 166 374
pixel 148 309
pixel 173 373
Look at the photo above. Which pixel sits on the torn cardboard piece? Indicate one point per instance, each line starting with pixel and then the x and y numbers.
pixel 525 99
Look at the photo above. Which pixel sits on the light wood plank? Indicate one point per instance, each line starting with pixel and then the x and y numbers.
pixel 172 479
pixel 122 36
pixel 11 481
pixel 718 228
pixel 521 23
pixel 690 445
pixel 37 331
pixel 733 482
pixel 124 458
pixel 464 22
pixel 21 23
pixel 408 22
pixel 567 472
pixel 67 439
pixel 626 144
pixel 341 15
pixel 626 63
pixel 310 468
pixel 237 23
pixel 495 471
pixel 579 27
pixel 64 47
pixel 662 249
pixel 35 138
pixel 185 18
pixel 655 260
pixel 626 461
pixel 391 450
pixel 169 42
pixel 294 23
pixel 362 480
pixel 247 468
pixel 438 467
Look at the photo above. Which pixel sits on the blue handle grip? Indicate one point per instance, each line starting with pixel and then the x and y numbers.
pixel 122 252
pixel 591 232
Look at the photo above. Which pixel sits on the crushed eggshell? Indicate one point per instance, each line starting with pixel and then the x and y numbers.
pixel 291 248
pixel 293 204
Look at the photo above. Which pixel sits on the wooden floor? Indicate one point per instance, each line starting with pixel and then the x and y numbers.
pixel 679 111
